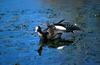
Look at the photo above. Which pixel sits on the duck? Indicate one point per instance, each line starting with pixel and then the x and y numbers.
pixel 56 30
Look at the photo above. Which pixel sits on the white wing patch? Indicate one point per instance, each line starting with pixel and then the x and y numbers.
pixel 60 27
pixel 60 47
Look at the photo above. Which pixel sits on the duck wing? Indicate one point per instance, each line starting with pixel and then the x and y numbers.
pixel 69 27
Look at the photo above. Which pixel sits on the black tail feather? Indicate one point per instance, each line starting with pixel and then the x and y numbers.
pixel 60 21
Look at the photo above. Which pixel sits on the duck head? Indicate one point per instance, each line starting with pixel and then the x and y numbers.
pixel 39 31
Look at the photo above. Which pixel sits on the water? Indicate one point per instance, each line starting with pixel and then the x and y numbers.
pixel 19 42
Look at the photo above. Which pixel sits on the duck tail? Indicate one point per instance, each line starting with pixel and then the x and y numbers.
pixel 79 28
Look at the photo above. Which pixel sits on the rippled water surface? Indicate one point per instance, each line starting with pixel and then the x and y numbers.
pixel 19 42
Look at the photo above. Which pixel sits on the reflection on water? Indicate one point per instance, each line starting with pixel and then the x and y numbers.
pixel 53 44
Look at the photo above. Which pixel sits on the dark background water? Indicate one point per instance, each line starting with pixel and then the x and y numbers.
pixel 19 42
